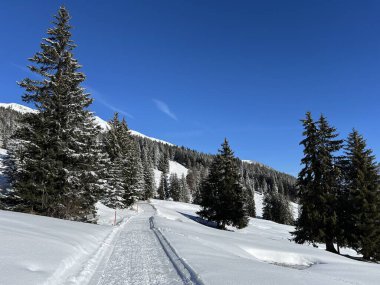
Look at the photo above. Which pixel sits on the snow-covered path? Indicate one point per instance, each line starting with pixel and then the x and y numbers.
pixel 138 257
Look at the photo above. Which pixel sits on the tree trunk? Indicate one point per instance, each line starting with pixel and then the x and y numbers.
pixel 330 246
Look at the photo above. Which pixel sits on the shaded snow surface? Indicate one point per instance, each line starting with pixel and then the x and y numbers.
pixel 258 254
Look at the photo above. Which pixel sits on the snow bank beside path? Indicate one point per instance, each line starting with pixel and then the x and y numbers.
pixel 258 254
pixel 106 215
pixel 43 250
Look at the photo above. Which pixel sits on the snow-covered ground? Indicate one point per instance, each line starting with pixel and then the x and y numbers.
pixel 138 257
pixel 174 168
pixel 258 254
pixel 41 250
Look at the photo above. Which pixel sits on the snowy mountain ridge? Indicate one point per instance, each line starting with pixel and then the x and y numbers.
pixel 17 107
pixel 99 121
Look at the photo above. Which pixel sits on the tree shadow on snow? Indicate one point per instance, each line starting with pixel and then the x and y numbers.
pixel 202 221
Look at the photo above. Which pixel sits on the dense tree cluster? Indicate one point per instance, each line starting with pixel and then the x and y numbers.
pixel 339 195
pixel 277 208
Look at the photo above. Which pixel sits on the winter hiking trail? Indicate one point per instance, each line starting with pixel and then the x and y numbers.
pixel 138 256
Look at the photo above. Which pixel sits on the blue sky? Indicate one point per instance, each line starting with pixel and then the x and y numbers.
pixel 194 72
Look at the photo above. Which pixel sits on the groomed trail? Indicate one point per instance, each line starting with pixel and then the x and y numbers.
pixel 138 256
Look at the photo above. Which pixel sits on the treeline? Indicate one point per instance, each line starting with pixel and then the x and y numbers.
pixel 254 176
pixel 338 191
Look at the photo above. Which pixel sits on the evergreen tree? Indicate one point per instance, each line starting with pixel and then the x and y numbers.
pixel 250 200
pixel 223 199
pixel 114 195
pixel 148 177
pixel 362 224
pixel 163 188
pixel 134 175
pixel 277 208
pixel 57 153
pixel 185 195
pixel 174 187
pixel 163 164
pixel 318 184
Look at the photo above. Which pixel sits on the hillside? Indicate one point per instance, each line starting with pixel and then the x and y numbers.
pixel 256 176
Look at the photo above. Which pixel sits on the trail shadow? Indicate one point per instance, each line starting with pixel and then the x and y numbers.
pixel 202 221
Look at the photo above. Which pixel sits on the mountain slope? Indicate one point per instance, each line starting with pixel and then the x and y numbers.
pixel 255 176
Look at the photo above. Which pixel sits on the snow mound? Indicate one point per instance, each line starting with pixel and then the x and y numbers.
pixel 282 258
pixel 17 107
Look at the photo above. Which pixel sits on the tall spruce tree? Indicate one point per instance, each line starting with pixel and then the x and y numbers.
pixel 57 151
pixel 174 187
pixel 163 188
pixel 362 224
pixel 133 171
pixel 149 190
pixel 114 195
pixel 318 184
pixel 185 195
pixel 223 199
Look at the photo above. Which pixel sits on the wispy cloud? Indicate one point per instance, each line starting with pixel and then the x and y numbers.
pixel 164 108
pixel 99 98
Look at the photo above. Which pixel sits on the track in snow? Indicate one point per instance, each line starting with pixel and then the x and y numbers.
pixel 138 257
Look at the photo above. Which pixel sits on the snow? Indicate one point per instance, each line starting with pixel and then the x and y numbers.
pixel 106 215
pixel 258 254
pixel 99 121
pixel 42 250
pixel 174 168
pixel 138 257
pixel 138 134
pixel 17 107
pixel 255 162
pixel 177 168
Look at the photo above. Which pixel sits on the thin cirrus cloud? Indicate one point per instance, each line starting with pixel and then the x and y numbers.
pixel 164 108
pixel 99 98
